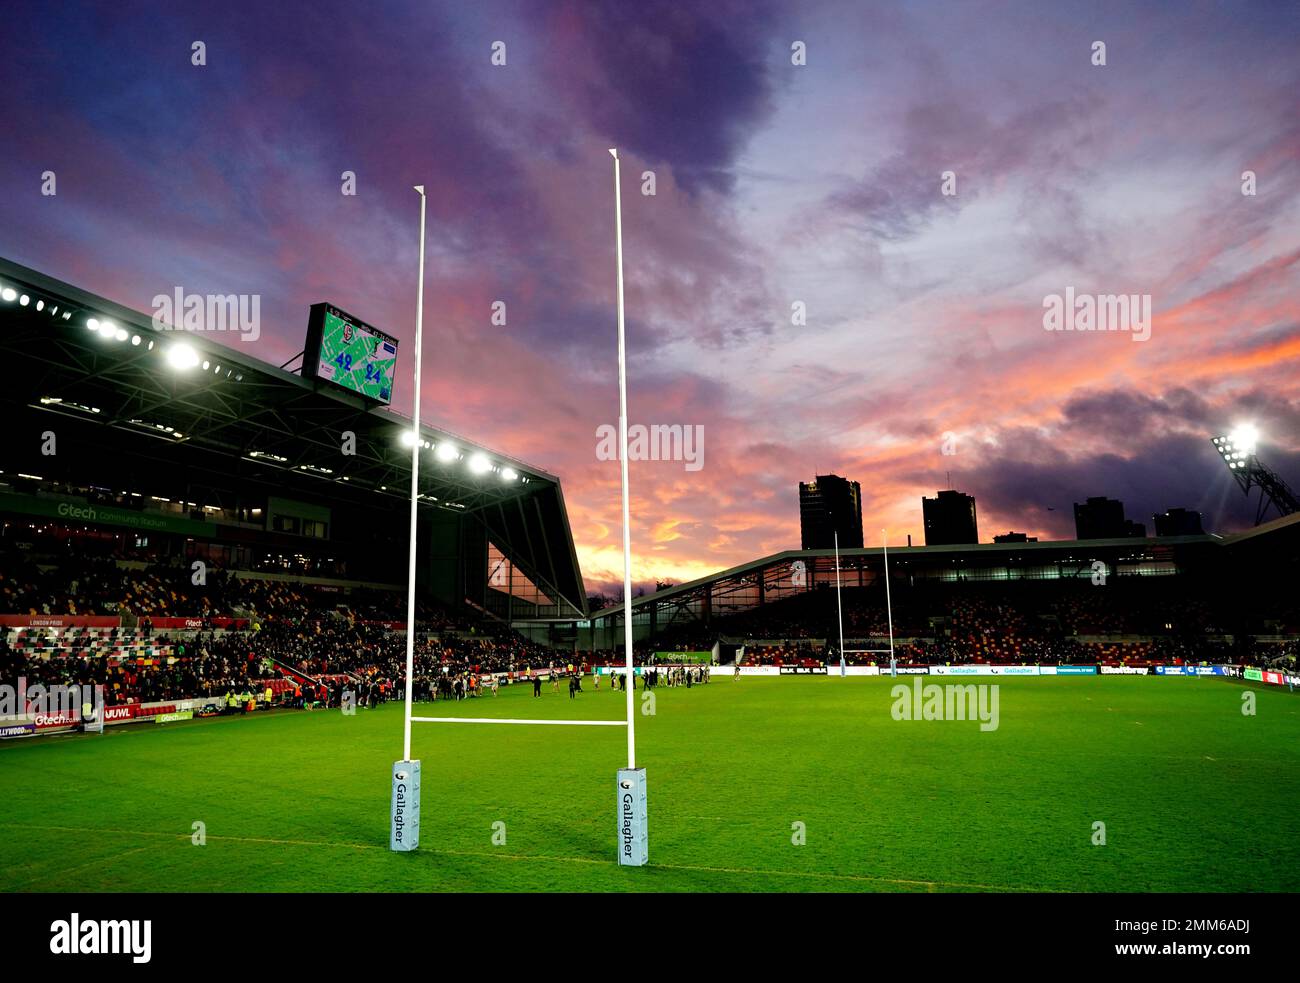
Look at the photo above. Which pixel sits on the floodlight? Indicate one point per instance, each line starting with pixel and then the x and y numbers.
pixel 509 474
pixel 1245 437
pixel 1238 452
pixel 408 438
pixel 479 463
pixel 447 452
pixel 182 356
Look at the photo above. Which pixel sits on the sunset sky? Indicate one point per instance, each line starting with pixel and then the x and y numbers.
pixel 776 184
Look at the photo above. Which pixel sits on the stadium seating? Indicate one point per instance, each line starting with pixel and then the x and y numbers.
pixel 297 631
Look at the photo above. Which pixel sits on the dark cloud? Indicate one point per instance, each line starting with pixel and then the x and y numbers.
pixel 899 197
pixel 679 84
pixel 1154 458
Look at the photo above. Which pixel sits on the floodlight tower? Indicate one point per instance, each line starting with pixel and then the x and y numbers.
pixel 1238 451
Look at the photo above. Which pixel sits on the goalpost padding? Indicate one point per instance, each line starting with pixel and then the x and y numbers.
pixel 633 835
pixel 404 809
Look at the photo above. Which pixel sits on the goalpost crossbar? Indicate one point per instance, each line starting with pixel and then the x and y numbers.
pixel 512 720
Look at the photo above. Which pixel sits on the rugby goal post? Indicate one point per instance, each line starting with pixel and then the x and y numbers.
pixel 889 607
pixel 632 835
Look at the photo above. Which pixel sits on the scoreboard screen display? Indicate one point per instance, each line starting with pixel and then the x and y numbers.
pixel 348 352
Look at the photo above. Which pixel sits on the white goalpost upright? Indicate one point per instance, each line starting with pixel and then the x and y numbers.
pixel 404 810
pixel 839 605
pixel 631 784
pixel 632 835
pixel 889 607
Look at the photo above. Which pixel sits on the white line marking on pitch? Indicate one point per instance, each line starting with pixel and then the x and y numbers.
pixel 511 720
pixel 97 862
pixel 805 874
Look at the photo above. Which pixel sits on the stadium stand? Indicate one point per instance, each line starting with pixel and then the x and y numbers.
pixel 250 635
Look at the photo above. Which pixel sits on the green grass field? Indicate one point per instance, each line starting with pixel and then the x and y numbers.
pixel 1195 795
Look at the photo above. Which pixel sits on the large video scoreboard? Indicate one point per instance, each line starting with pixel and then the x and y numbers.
pixel 346 351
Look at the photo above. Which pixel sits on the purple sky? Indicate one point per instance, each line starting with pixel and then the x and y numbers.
pixel 776 184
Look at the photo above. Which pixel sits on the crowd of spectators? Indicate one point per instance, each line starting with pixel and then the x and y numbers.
pixel 213 666
pixel 343 637
pixel 1047 622
pixel 1129 606
pixel 791 653
pixel 215 662
pixel 103 586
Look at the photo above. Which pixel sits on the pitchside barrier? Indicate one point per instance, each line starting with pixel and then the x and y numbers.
pixel 834 669
pixel 63 721
pixel 167 711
